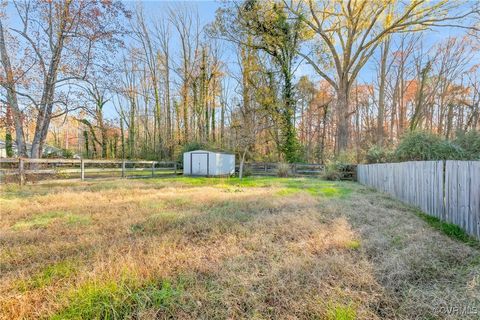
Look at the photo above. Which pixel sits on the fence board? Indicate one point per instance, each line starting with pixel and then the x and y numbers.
pixel 450 191
pixel 268 169
pixel 462 195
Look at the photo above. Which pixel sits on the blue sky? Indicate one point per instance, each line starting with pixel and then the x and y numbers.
pixel 157 9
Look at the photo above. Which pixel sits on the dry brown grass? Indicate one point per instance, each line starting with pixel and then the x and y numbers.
pixel 272 248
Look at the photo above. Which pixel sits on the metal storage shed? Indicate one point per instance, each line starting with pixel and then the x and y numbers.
pixel 208 163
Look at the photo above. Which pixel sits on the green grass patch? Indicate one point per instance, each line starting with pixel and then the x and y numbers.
pixel 288 191
pixel 38 221
pixel 353 245
pixel 49 275
pixel 74 219
pixel 14 191
pixel 317 187
pixel 337 311
pixel 219 182
pixel 450 229
pixel 118 300
pixel 45 219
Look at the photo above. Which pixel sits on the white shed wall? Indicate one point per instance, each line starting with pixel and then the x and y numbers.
pixel 186 163
pixel 224 164
pixel 218 163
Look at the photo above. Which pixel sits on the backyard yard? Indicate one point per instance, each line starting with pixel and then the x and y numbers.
pixel 198 248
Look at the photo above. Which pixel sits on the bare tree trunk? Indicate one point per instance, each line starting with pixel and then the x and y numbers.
pixel 222 123
pixel 242 163
pixel 448 132
pixel 46 103
pixel 9 86
pixel 167 101
pixel 324 132
pixel 343 118
pixel 381 92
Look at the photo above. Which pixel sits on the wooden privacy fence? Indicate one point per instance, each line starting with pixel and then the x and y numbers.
pixel 24 169
pixel 448 190
pixel 270 168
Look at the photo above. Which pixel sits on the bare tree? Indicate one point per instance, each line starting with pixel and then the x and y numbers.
pixel 360 27
pixel 62 37
pixel 9 84
pixel 187 26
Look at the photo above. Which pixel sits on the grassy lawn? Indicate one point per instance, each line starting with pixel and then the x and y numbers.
pixel 261 248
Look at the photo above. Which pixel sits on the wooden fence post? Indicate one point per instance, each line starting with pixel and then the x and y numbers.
pixel 82 169
pixel 153 168
pixel 123 168
pixel 21 171
pixel 175 167
pixel 294 169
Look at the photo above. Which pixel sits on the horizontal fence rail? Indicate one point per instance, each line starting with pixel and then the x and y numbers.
pixel 22 170
pixel 270 168
pixel 448 190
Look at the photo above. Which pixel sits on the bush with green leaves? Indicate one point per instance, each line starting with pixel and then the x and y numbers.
pixel 190 146
pixel 470 143
pixel 342 167
pixel 378 154
pixel 336 170
pixel 332 171
pixel 420 146
pixel 68 154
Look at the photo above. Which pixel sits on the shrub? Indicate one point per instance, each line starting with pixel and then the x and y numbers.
pixel 68 154
pixel 420 145
pixel 378 154
pixel 470 143
pixel 332 171
pixel 190 146
pixel 283 170
pixel 247 171
pixel 342 167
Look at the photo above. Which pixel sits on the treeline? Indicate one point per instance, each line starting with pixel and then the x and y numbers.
pixel 109 81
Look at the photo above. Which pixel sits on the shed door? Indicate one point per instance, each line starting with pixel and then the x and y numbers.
pixel 199 164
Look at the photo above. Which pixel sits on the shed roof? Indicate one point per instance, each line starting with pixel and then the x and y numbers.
pixel 211 151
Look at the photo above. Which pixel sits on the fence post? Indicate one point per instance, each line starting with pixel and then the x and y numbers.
pixel 82 169
pixel 294 169
pixel 175 166
pixel 21 171
pixel 265 167
pixel 123 168
pixel 153 168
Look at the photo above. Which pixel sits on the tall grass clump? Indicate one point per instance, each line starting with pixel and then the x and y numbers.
pixel 336 311
pixel 118 300
pixel 283 170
